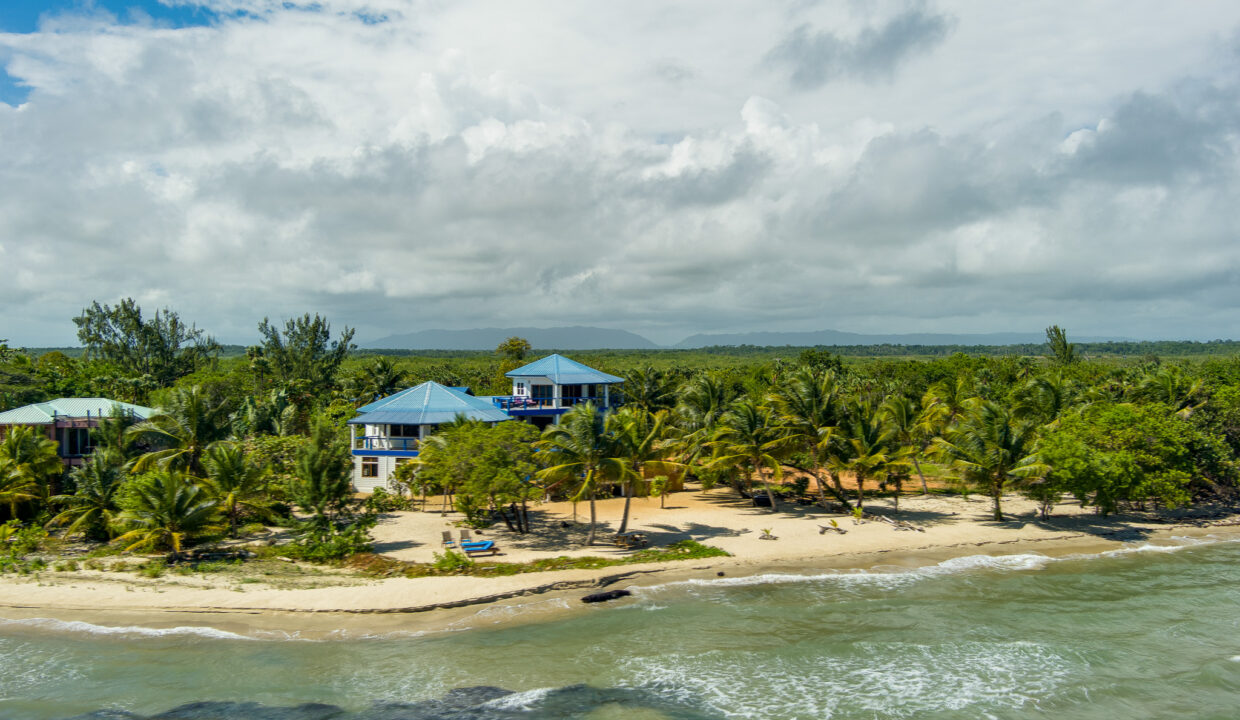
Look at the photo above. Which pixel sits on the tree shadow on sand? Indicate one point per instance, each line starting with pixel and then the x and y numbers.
pixel 392 546
pixel 786 509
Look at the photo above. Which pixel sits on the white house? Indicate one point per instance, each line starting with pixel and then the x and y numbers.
pixel 394 427
pixel 545 389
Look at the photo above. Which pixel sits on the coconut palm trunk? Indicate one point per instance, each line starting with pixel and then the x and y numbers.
pixel 766 486
pixel 996 494
pixel 925 489
pixel 624 520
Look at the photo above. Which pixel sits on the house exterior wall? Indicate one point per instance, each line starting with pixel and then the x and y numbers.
pixel 385 464
pixel 383 453
pixel 59 432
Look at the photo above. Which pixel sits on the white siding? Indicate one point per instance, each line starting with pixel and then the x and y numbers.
pixel 387 465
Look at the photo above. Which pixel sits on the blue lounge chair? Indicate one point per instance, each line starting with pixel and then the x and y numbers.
pixel 481 547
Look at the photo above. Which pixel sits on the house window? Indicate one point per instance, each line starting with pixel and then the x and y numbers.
pixel 78 442
pixel 370 467
pixel 406 431
pixel 541 392
pixel 520 389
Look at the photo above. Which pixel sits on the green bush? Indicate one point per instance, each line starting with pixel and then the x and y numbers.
pixel 331 543
pixel 451 562
pixel 381 501
pixel 474 508
pixel 153 569
pixel 23 540
pixel 253 528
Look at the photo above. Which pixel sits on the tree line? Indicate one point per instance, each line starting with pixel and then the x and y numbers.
pixel 262 438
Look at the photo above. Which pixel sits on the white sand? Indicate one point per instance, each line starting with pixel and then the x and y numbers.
pixel 952 526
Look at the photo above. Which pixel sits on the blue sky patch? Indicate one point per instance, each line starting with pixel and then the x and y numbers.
pixel 22 16
pixel 10 92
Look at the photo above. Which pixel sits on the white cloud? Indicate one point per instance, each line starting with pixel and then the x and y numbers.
pixel 638 165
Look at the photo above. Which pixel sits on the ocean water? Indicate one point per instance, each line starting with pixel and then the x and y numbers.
pixel 1146 632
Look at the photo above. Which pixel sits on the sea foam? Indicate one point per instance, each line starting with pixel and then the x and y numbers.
pixel 78 626
pixel 871 680
pixel 894 577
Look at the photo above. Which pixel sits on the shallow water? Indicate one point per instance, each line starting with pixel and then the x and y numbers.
pixel 1151 632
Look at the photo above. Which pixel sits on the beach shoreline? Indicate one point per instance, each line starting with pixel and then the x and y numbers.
pixel 376 607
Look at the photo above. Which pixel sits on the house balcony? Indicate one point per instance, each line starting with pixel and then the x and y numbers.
pixel 520 404
pixel 384 445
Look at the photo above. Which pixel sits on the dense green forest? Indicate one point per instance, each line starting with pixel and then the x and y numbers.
pixel 258 436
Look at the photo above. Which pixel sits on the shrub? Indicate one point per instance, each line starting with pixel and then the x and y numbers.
pixel 381 501
pixel 331 544
pixel 153 569
pixel 22 539
pixel 451 562
pixel 474 509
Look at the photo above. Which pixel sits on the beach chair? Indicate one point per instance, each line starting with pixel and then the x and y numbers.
pixel 629 541
pixel 479 547
pixel 471 547
pixel 447 539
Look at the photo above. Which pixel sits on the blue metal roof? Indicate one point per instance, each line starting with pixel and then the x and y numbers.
pixel 562 371
pixel 43 413
pixel 427 404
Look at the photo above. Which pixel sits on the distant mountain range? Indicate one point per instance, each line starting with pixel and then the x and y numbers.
pixel 560 338
pixel 595 338
pixel 836 337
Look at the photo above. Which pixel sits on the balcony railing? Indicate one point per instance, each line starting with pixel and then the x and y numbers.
pixel 521 402
pixel 382 442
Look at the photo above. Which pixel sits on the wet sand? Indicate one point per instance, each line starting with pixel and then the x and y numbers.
pixel 950 527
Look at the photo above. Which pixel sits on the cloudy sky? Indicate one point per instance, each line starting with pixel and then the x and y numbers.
pixel 665 168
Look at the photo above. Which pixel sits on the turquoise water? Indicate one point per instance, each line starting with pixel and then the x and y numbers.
pixel 1144 633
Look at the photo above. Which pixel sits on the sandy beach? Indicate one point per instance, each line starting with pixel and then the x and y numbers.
pixel 948 526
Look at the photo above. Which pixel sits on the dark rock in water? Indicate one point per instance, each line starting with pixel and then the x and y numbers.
pixel 605 596
pixel 249 711
pixel 458 704
pixel 470 703
pixel 471 696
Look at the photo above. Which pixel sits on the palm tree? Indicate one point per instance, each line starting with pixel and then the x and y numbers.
pixel 16 487
pixel 1045 399
pixel 163 509
pixel 33 457
pixel 92 508
pixel 866 447
pixel 236 481
pixel 950 400
pixel 991 448
pixel 1168 385
pixel 112 434
pixel 324 484
pixel 183 428
pixel 912 428
pixel 749 438
pixel 808 404
pixel 648 389
pixel 642 440
pixel 702 404
pixel 580 450
pixel 379 379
